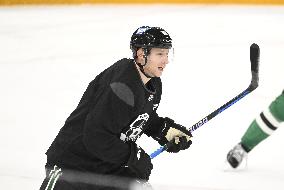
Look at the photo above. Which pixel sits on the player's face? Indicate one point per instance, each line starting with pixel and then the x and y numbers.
pixel 156 62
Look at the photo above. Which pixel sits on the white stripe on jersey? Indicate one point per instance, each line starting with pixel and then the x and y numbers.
pixel 271 118
pixel 263 126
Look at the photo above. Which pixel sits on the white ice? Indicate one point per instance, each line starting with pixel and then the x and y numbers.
pixel 49 54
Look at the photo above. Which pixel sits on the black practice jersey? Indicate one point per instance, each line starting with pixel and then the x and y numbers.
pixel 115 108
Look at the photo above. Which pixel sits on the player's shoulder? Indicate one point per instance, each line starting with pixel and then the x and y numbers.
pixel 122 64
pixel 120 70
pixel 114 72
pixel 122 81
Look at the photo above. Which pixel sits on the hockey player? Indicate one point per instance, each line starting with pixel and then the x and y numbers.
pixel 261 128
pixel 97 144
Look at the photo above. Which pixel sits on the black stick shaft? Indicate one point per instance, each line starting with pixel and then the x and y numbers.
pixel 219 110
pixel 207 118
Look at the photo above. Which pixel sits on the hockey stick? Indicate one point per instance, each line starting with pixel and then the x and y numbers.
pixel 254 59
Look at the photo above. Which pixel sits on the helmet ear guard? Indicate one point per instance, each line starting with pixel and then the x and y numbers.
pixel 135 49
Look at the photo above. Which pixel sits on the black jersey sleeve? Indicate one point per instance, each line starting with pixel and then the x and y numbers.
pixel 155 124
pixel 155 127
pixel 103 125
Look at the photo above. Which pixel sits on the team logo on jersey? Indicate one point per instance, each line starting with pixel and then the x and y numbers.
pixel 135 129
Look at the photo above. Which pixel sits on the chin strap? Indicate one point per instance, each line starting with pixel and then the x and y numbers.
pixel 141 66
pixel 142 70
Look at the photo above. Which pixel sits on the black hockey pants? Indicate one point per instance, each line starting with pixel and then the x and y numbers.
pixel 58 179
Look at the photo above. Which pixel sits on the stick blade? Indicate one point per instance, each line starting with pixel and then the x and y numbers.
pixel 254 59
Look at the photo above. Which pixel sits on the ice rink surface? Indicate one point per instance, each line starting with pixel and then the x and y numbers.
pixel 49 54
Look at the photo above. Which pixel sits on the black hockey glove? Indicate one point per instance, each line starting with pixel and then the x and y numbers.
pixel 178 143
pixel 139 162
pixel 179 136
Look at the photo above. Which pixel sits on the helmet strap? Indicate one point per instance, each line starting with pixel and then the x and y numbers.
pixel 142 69
pixel 141 66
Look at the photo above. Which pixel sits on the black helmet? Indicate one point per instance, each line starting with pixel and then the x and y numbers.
pixel 150 37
